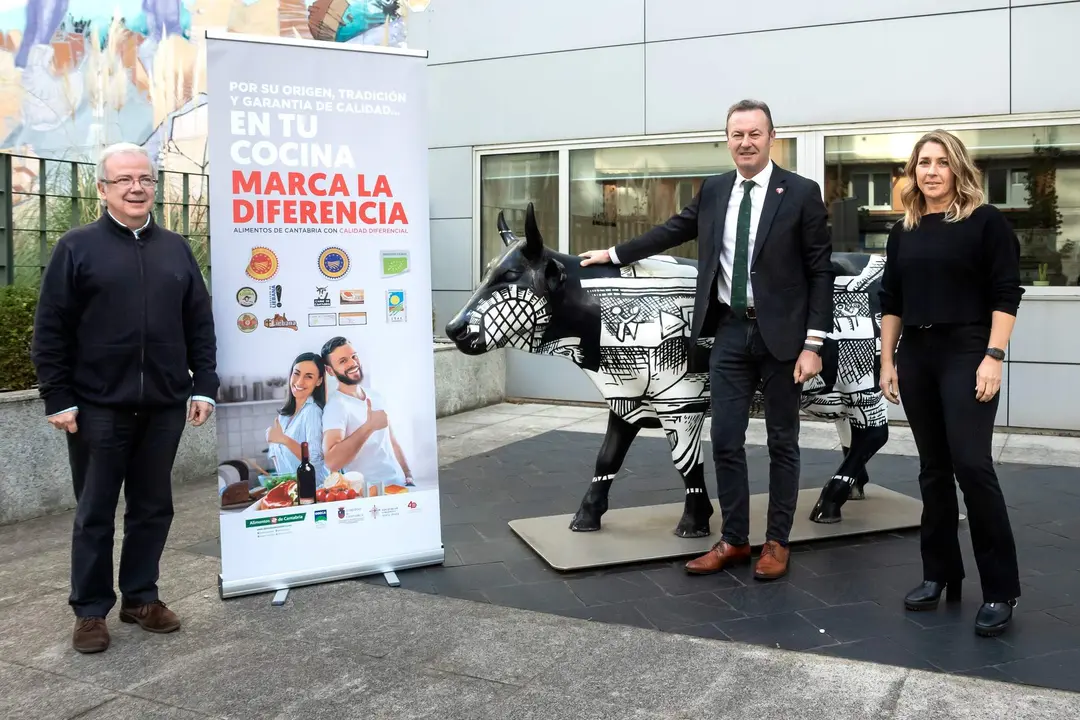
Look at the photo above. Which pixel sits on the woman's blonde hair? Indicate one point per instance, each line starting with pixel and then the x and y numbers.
pixel 966 177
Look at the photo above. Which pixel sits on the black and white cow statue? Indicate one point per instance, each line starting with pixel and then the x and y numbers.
pixel 628 328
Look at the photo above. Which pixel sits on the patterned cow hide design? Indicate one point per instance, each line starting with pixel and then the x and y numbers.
pixel 628 328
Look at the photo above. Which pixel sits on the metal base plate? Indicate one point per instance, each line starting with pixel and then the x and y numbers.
pixel 643 534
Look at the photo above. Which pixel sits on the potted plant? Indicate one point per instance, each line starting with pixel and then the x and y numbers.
pixel 277 388
pixel 1042 281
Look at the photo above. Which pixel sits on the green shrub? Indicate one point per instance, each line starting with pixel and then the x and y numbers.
pixel 17 306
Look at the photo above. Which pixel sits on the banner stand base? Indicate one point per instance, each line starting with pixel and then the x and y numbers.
pixel 280 585
pixel 281 595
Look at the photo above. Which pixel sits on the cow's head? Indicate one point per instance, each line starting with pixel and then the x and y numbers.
pixel 514 304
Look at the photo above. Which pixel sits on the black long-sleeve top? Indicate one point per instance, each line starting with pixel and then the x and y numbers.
pixel 124 319
pixel 952 272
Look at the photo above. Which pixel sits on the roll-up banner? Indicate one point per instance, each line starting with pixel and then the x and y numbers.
pixel 321 282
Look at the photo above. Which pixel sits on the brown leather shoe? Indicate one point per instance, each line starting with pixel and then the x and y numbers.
pixel 720 556
pixel 773 563
pixel 91 635
pixel 155 617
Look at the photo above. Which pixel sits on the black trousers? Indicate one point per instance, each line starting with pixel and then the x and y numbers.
pixel 739 361
pixel 936 373
pixel 135 450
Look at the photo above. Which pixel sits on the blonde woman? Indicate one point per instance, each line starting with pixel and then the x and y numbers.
pixel 950 295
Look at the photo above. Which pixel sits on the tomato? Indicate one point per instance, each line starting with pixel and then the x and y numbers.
pixel 351 495
pixel 320 495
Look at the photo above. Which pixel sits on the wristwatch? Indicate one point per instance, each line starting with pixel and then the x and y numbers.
pixel 996 353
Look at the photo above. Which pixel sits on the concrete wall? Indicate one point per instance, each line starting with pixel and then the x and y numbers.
pixel 643 67
pixel 35 478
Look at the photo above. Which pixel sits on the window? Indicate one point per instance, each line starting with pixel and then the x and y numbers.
pixel 508 183
pixel 1031 173
pixel 617 193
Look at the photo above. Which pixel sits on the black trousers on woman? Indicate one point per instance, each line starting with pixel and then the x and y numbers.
pixel 936 368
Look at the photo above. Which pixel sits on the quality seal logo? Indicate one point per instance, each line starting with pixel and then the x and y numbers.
pixel 394 262
pixel 246 296
pixel 280 321
pixel 276 520
pixel 263 264
pixel 247 322
pixel 334 263
pixel 395 306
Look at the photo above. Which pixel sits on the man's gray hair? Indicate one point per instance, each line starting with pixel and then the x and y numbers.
pixel 122 148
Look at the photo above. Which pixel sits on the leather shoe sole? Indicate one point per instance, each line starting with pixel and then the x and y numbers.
pixel 129 618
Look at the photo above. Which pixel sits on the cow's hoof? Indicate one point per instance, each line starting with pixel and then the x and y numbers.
pixel 691 527
pixel 825 513
pixel 833 496
pixel 586 520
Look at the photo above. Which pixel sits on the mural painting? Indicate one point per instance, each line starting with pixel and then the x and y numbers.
pixel 76 75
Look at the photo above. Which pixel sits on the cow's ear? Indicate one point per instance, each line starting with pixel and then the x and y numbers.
pixel 554 275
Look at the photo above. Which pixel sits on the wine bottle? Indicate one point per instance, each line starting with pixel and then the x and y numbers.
pixel 305 477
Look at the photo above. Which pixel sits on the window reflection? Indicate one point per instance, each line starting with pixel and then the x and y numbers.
pixel 620 192
pixel 1031 173
pixel 508 183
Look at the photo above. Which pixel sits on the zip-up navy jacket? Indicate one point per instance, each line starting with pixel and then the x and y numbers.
pixel 124 320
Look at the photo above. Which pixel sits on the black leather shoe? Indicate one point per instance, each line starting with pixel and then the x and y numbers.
pixel 928 594
pixel 994 618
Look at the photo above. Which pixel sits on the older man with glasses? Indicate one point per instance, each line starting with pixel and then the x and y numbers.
pixel 125 351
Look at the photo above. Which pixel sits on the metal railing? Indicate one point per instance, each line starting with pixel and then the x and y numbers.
pixel 41 199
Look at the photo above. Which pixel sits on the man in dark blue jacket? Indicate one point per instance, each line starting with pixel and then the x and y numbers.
pixel 123 340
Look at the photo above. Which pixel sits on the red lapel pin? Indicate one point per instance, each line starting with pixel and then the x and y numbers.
pixel 779 191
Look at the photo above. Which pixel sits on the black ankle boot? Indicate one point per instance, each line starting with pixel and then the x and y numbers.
pixel 928 594
pixel 994 618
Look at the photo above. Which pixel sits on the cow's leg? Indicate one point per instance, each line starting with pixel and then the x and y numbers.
pixel 869 433
pixel 683 430
pixel 617 440
pixel 843 430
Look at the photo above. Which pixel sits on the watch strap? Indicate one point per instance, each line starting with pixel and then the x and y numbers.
pixel 996 353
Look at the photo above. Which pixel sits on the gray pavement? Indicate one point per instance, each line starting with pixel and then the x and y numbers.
pixel 355 649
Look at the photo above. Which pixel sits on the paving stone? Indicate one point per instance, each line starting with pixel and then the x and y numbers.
pixel 852 588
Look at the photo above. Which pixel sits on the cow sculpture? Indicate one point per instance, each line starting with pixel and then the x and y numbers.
pixel 627 327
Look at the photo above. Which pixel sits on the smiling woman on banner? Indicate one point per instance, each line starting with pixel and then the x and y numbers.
pixel 300 419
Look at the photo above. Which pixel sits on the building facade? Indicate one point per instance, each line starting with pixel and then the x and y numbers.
pixel 607 115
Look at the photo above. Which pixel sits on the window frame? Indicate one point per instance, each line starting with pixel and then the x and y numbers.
pixel 809 153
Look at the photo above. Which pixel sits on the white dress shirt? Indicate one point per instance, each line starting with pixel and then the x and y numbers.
pixel 731 224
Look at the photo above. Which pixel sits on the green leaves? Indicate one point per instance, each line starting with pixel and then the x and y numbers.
pixel 17 306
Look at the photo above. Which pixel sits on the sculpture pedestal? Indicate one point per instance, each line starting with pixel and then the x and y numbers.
pixel 644 534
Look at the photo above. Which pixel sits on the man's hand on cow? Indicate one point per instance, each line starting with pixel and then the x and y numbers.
pixel 595 257
pixel 65 421
pixel 807 366
pixel 890 387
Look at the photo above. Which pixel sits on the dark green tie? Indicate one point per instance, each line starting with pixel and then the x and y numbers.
pixel 739 274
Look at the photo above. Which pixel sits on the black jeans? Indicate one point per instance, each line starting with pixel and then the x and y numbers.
pixel 936 373
pixel 136 450
pixel 739 361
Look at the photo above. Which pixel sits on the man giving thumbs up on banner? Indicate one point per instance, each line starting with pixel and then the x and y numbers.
pixel 356 432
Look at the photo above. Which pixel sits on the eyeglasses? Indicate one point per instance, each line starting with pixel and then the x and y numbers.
pixel 126 182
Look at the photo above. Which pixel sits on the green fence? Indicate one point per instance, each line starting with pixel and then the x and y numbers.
pixel 42 199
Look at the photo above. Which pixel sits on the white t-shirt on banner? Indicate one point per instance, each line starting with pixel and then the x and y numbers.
pixel 376 459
